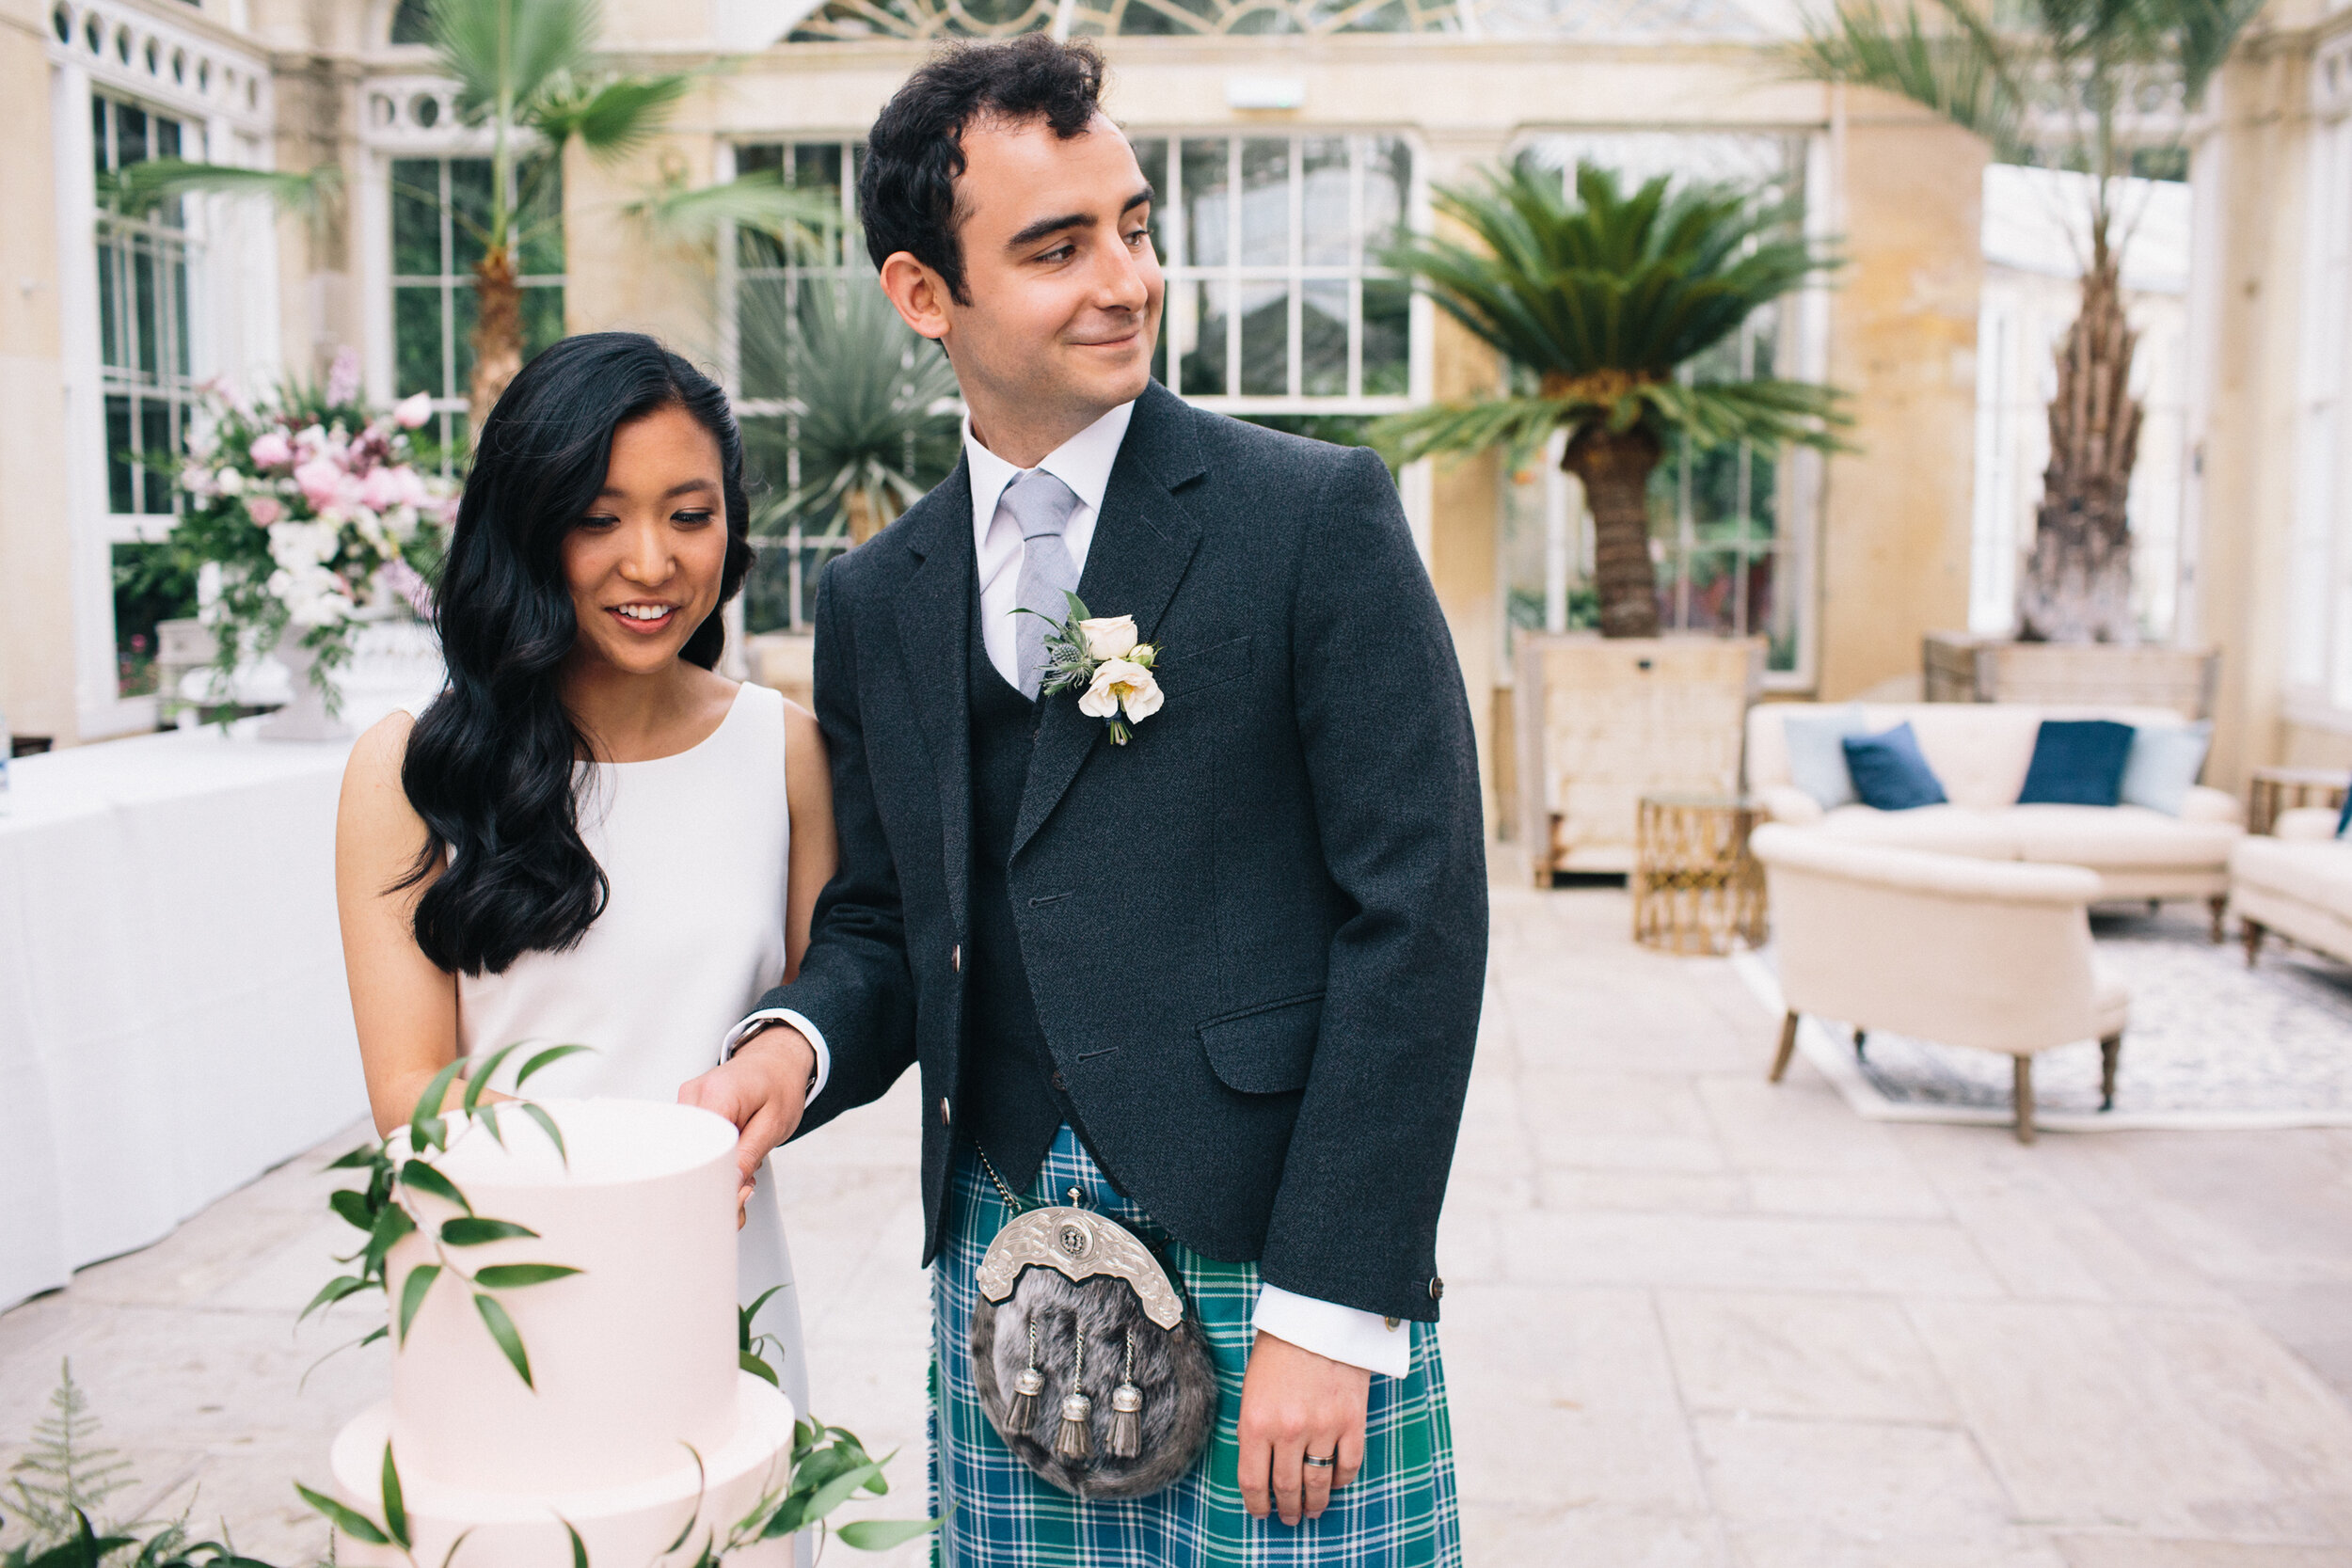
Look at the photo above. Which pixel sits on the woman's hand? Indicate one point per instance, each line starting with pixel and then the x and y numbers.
pixel 762 1089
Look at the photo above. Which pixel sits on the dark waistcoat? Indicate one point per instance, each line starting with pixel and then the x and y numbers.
pixel 1012 1106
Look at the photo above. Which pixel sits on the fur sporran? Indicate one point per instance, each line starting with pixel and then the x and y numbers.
pixel 1089 1363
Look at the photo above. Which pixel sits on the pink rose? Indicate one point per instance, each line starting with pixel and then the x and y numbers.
pixel 319 478
pixel 381 490
pixel 271 449
pixel 412 411
pixel 264 510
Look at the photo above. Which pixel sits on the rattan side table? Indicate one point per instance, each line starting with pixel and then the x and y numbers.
pixel 1695 887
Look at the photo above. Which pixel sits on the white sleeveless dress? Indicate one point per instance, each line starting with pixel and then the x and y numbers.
pixel 697 848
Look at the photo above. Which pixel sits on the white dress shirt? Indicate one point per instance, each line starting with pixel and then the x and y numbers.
pixel 1084 462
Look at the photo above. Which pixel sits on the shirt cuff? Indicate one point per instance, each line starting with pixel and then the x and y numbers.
pixel 1337 1333
pixel 808 1031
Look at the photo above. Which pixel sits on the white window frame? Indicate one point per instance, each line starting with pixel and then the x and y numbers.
pixel 2317 663
pixel 222 95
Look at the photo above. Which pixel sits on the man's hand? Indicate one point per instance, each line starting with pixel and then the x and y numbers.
pixel 763 1089
pixel 1295 1404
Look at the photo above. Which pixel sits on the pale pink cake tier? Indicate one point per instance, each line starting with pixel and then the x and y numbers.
pixel 633 1358
pixel 625 1526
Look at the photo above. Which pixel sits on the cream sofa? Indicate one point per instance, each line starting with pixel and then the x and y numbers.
pixel 2297 883
pixel 1979 751
pixel 1940 947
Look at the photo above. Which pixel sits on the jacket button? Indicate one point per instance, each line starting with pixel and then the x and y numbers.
pixel 1437 1287
pixel 954 958
pixel 943 1110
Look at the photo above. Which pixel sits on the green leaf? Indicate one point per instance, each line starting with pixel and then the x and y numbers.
pixel 756 1366
pixel 502 1330
pixel 511 1276
pixel 880 1535
pixel 549 1057
pixel 488 1117
pixel 838 1490
pixel 358 1159
pixel 372 1335
pixel 743 1316
pixel 351 1204
pixel 450 1556
pixel 395 1506
pixel 357 1526
pixel 332 1292
pixel 469 1230
pixel 427 1113
pixel 392 1224
pixel 547 1125
pixel 412 1293
pixel 478 1081
pixel 1078 610
pixel 426 1178
pixel 579 1548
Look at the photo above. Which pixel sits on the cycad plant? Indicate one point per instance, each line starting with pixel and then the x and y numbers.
pixel 2105 87
pixel 866 434
pixel 1601 301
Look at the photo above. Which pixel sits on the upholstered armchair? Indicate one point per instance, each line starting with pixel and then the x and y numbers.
pixel 1989 954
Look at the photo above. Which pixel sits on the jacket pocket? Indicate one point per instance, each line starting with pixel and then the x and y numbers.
pixel 1210 666
pixel 1268 1049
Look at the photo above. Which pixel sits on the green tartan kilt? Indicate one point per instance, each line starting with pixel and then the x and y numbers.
pixel 1399 1512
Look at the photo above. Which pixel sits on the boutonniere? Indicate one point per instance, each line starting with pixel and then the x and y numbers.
pixel 1098 656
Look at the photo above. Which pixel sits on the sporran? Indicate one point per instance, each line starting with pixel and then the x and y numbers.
pixel 1087 1359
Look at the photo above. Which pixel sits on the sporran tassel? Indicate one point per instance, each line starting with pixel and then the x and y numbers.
pixel 1022 1415
pixel 1073 1440
pixel 1127 1438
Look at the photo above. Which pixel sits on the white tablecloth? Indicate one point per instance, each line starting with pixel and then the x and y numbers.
pixel 173 1019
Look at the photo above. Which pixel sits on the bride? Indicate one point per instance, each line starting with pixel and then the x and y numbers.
pixel 591 836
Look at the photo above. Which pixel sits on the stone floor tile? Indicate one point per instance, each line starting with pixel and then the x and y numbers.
pixel 1642 1191
pixel 1596 1534
pixel 2090 1421
pixel 1850 1483
pixel 2135 1551
pixel 1824 1357
pixel 1744 1252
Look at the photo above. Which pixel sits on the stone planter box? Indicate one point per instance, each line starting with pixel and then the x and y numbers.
pixel 788 661
pixel 1959 668
pixel 1603 721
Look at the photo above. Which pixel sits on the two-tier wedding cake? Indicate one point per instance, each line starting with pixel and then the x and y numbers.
pixel 638 1426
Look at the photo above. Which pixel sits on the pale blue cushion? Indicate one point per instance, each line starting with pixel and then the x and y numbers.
pixel 2164 762
pixel 1816 754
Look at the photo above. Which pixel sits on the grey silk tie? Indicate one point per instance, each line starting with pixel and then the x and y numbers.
pixel 1042 504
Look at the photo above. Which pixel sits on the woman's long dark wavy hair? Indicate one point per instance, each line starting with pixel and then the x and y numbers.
pixel 490 763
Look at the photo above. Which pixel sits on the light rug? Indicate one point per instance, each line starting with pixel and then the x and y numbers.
pixel 2211 1043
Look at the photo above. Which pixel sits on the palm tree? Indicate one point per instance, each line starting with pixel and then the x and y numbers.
pixel 1601 301
pixel 868 435
pixel 2101 86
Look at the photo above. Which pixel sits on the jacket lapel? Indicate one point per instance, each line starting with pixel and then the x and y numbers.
pixel 934 627
pixel 1143 541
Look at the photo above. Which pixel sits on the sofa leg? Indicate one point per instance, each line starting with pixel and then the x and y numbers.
pixel 2253 931
pixel 1861 1037
pixel 2219 903
pixel 2109 1050
pixel 2155 907
pixel 1787 1045
pixel 2024 1100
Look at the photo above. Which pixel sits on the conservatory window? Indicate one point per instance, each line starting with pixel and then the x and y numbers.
pixel 2319 572
pixel 147 361
pixel 440 212
pixel 1276 297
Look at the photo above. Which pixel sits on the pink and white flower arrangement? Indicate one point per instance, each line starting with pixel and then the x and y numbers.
pixel 307 512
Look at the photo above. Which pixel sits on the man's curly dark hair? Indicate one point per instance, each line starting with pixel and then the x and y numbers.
pixel 906 193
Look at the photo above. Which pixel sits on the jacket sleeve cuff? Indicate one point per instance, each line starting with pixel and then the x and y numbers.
pixel 809 1032
pixel 1337 1333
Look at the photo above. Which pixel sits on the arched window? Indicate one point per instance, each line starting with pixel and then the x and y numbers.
pixel 412 22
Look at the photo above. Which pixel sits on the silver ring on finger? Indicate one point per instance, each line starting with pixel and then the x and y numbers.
pixel 1321 1462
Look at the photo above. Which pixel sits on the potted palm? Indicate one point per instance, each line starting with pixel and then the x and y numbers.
pixel 1602 304
pixel 2105 91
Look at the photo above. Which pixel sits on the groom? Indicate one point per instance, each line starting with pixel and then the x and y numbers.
pixel 1226 976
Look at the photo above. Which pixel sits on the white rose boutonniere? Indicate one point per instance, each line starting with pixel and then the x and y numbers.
pixel 1099 657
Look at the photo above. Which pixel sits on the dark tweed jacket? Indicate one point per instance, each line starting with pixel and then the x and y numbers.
pixel 1256 935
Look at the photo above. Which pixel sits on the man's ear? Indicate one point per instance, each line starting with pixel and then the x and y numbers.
pixel 920 293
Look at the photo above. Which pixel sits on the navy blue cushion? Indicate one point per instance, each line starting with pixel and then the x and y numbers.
pixel 1888 771
pixel 2343 818
pixel 2077 762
